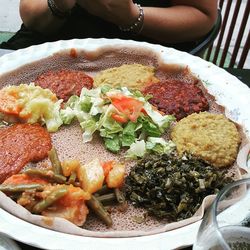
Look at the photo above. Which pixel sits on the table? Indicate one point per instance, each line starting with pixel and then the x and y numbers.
pixel 242 74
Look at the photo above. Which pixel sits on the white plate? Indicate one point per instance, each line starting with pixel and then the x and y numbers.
pixel 229 92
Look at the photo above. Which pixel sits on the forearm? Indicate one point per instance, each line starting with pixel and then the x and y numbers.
pixel 185 20
pixel 176 24
pixel 37 16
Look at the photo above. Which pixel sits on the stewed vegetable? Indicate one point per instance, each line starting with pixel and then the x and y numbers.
pixel 64 189
pixel 171 187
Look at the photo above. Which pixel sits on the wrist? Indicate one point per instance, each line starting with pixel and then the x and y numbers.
pixel 130 17
pixel 62 6
pixel 58 9
pixel 137 25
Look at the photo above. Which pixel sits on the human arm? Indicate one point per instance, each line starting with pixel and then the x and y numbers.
pixel 185 20
pixel 37 16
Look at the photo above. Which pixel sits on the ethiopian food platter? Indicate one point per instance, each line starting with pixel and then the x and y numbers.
pixel 117 139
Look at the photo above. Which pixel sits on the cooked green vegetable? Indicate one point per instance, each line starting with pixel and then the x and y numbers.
pixel 106 198
pixel 103 190
pixel 47 174
pixel 72 178
pixel 119 196
pixel 10 188
pixel 56 164
pixel 50 199
pixel 171 187
pixel 138 219
pixel 99 210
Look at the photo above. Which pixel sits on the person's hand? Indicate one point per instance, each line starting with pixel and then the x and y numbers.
pixel 119 12
pixel 65 5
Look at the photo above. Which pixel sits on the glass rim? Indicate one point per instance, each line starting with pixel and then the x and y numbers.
pixel 216 201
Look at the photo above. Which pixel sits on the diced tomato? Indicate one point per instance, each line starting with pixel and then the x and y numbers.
pixel 128 106
pixel 119 118
pixel 24 179
pixel 107 166
pixel 144 111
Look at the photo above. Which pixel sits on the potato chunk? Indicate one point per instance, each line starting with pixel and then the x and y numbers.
pixel 70 166
pixel 115 176
pixel 91 176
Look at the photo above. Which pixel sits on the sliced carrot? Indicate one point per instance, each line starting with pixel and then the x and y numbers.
pixel 8 103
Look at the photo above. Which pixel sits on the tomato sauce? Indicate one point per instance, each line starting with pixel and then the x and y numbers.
pixel 73 53
pixel 21 144
pixel 65 83
pixel 177 98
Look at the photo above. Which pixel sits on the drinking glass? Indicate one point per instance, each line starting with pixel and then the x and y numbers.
pixel 226 224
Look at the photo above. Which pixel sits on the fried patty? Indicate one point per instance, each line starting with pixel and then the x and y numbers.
pixel 177 98
pixel 21 144
pixel 211 137
pixel 65 83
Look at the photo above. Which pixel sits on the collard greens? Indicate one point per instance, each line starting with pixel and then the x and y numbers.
pixel 171 187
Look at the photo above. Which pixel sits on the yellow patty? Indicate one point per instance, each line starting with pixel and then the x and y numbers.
pixel 211 137
pixel 134 76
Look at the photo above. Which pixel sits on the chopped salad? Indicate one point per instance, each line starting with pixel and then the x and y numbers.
pixel 123 118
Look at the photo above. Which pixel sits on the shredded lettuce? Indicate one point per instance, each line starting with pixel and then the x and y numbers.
pixel 110 127
pixel 90 101
pixel 52 118
pixel 105 89
pixel 67 115
pixel 137 149
pixel 152 145
pixel 71 103
pixel 163 121
pixel 148 127
pixel 128 134
pixel 113 144
pixel 94 111
pixel 159 145
pixel 89 127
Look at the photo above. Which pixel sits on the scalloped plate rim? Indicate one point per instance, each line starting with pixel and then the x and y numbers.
pixel 14 226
